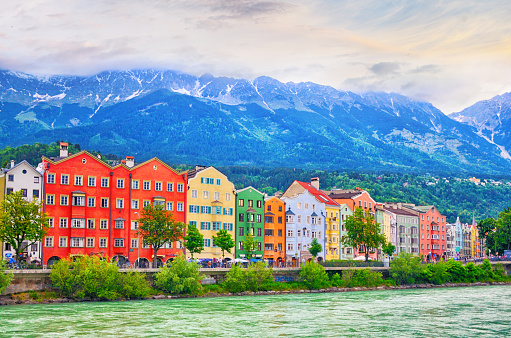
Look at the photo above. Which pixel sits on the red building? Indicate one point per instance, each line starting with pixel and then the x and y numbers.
pixel 433 232
pixel 94 208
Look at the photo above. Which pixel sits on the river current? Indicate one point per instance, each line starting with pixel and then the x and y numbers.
pixel 443 312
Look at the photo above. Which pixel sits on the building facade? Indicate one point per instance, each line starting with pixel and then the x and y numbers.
pixel 94 208
pixel 347 252
pixel 250 219
pixel 211 205
pixel 432 232
pixel 274 230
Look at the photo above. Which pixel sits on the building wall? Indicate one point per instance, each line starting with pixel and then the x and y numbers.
pixel 297 245
pixel 347 252
pixel 248 200
pixel 275 229
pixel 332 232
pixel 432 240
pixel 106 223
pixel 211 207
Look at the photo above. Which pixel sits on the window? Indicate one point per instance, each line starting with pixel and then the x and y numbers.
pixel 64 199
pixel 10 178
pixel 207 242
pixel 290 246
pixel 48 242
pixel 258 246
pixel 90 242
pixel 259 204
pixel 158 186
pixel 289 219
pixel 120 183
pixel 78 223
pixel 90 223
pixel 258 231
pixel 119 242
pixel 64 179
pixel 240 245
pixel 50 178
pixel 250 203
pixel 194 193
pixel 134 184
pixel 308 220
pixel 205 226
pixel 205 209
pixel 205 194
pixel 92 181
pixel 146 185
pixel 134 225
pixel 134 204
pixel 9 191
pixel 91 202
pixel 306 205
pixel 120 203
pixel 241 217
pixel 217 210
pixel 104 202
pixel 241 231
pixel 170 186
pixel 217 196
pixel 119 224
pixel 78 180
pixel 104 182
pixel 258 218
pixel 63 223
pixel 290 233
pixel 103 224
pixel 103 242
pixel 35 193
pixel 194 209
pixel 50 199
pixel 170 206
pixel 279 233
pixel 180 187
pixel 79 201
pixel 77 242
pixel 241 202
pixel 50 222
pixel 268 219
pixel 63 242
pixel 145 203
pixel 218 181
pixel 227 196
pixel 228 226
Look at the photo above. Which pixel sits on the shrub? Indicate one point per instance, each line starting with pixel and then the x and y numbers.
pixel 257 276
pixel 314 276
pixel 406 269
pixel 235 280
pixel 91 277
pixel 439 274
pixel 181 278
pixel 5 278
pixel 361 278
pixel 456 270
pixel 336 280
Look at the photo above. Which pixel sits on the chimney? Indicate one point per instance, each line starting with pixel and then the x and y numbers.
pixel 130 161
pixel 12 163
pixel 64 152
pixel 315 182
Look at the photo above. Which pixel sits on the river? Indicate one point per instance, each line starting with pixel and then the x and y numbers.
pixel 443 312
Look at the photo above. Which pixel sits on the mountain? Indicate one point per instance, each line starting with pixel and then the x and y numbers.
pixel 492 119
pixel 225 121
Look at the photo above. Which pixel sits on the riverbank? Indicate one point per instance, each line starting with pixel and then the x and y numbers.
pixel 33 298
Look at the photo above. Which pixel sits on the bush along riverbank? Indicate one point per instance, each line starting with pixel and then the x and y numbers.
pixel 92 279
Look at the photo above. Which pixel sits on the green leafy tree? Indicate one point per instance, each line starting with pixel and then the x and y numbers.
pixel 194 240
pixel 158 226
pixel 503 233
pixel 224 241
pixel 405 268
pixel 486 226
pixel 235 280
pixel 257 276
pixel 5 278
pixel 388 248
pixel 249 245
pixel 363 230
pixel 22 222
pixel 314 276
pixel 315 248
pixel 181 277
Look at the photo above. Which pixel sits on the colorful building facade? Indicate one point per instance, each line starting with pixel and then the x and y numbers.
pixel 274 230
pixel 94 208
pixel 211 207
pixel 432 232
pixel 250 219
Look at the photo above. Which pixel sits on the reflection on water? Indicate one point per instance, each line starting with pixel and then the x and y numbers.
pixel 453 312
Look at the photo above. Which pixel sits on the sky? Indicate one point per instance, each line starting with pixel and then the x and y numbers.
pixel 450 53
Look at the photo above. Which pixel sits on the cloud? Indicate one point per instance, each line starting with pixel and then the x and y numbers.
pixel 385 68
pixel 427 69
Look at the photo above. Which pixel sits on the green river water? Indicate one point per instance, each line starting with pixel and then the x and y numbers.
pixel 444 312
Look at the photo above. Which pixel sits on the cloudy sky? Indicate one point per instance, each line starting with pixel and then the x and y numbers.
pixel 450 53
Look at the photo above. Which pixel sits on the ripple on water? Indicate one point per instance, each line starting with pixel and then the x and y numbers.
pixel 455 312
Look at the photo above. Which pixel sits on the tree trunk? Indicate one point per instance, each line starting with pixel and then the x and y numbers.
pixel 366 252
pixel 155 257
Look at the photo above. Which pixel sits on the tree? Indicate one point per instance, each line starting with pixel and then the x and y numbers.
pixel 224 241
pixel 388 248
pixel 157 226
pixel 485 226
pixel 363 230
pixel 194 240
pixel 315 248
pixel 502 235
pixel 22 222
pixel 249 245
pixel 181 278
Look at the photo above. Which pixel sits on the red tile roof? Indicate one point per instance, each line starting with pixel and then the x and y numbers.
pixel 318 194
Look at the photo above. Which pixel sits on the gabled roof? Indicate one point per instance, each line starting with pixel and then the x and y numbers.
pixel 249 187
pixel 289 212
pixel 318 194
pixel 397 211
pixel 344 194
pixel 21 163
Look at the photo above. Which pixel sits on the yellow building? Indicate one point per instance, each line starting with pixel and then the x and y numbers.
pixel 332 232
pixel 211 207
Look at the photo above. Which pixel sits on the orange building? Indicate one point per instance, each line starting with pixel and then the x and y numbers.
pixel 94 208
pixel 274 230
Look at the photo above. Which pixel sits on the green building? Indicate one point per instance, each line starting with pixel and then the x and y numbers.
pixel 249 219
